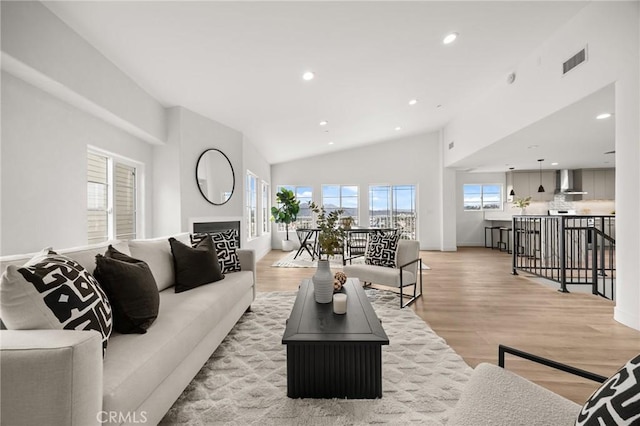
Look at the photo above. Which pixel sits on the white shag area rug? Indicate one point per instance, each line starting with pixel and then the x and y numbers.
pixel 305 261
pixel 245 380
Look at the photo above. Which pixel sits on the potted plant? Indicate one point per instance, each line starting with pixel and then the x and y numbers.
pixel 522 204
pixel 286 212
pixel 330 240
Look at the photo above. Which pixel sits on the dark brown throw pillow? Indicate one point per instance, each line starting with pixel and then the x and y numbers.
pixel 195 266
pixel 131 289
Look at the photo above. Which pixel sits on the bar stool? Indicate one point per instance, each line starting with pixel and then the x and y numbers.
pixel 490 229
pixel 505 245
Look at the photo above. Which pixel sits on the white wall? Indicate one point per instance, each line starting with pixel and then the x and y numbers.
pixel 167 201
pixel 44 168
pixel 178 200
pixel 611 31
pixel 470 224
pixel 37 42
pixel 409 160
pixel 255 162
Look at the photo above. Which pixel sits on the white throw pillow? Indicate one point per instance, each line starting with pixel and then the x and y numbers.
pixel 53 292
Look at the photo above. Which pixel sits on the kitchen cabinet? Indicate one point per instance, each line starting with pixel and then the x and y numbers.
pixel 521 184
pixel 610 184
pixel 600 184
pixel 526 184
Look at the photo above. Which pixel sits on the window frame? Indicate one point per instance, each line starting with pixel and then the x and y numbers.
pixel 481 202
pixel 301 221
pixel 393 217
pixel 341 197
pixel 266 208
pixel 251 205
pixel 138 194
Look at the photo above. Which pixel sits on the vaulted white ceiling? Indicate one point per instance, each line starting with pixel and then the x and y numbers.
pixel 240 63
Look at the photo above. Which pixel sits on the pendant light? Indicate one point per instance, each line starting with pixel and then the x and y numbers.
pixel 541 188
pixel 512 193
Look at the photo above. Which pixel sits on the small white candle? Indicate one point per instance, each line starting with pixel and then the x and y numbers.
pixel 340 303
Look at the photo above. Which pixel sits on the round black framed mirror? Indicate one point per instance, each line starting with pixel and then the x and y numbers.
pixel 215 176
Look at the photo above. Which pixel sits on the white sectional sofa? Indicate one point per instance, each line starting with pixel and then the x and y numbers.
pixel 59 377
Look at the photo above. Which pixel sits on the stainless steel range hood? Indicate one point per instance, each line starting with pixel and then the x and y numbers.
pixel 564 183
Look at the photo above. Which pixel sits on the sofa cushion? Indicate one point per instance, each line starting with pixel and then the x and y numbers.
pixel 131 289
pixel 497 397
pixel 226 243
pixel 382 249
pixel 52 291
pixel 195 266
pixel 380 275
pixel 616 401
pixel 157 253
pixel 184 319
pixel 86 255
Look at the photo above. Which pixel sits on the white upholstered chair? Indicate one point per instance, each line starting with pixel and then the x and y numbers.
pixel 408 271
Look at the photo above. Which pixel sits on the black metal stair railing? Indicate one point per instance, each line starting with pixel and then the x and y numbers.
pixel 570 250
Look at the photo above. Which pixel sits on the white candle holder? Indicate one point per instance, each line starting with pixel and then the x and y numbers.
pixel 339 303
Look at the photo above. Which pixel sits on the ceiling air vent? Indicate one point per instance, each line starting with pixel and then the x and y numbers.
pixel 574 61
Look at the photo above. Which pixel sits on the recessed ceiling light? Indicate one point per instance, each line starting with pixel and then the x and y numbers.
pixel 554 164
pixel 450 38
pixel 413 101
pixel 308 76
pixel 398 128
pixel 330 143
pixel 324 122
pixel 603 116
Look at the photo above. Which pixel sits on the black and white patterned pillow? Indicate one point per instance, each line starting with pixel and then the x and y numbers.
pixel 381 250
pixel 616 401
pixel 226 243
pixel 53 291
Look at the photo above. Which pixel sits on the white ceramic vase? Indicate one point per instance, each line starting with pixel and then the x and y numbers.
pixel 323 282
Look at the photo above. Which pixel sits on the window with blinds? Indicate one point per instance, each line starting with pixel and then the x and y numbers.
pixel 125 202
pixel 111 199
pixel 97 201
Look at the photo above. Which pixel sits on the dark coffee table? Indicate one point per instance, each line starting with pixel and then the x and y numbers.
pixel 330 355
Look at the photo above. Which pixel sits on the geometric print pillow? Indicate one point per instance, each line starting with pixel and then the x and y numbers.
pixel 52 291
pixel 616 401
pixel 382 249
pixel 226 244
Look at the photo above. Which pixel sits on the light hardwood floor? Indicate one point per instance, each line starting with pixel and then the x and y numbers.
pixel 473 302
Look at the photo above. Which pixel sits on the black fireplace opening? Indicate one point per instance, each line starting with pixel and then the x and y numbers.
pixel 214 227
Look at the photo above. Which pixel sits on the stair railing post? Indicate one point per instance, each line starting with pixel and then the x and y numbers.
pixel 563 259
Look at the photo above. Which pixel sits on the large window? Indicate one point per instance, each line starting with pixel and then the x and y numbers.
pixel 344 197
pixel 252 205
pixel 266 213
pixel 479 197
pixel 304 194
pixel 393 206
pixel 111 198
